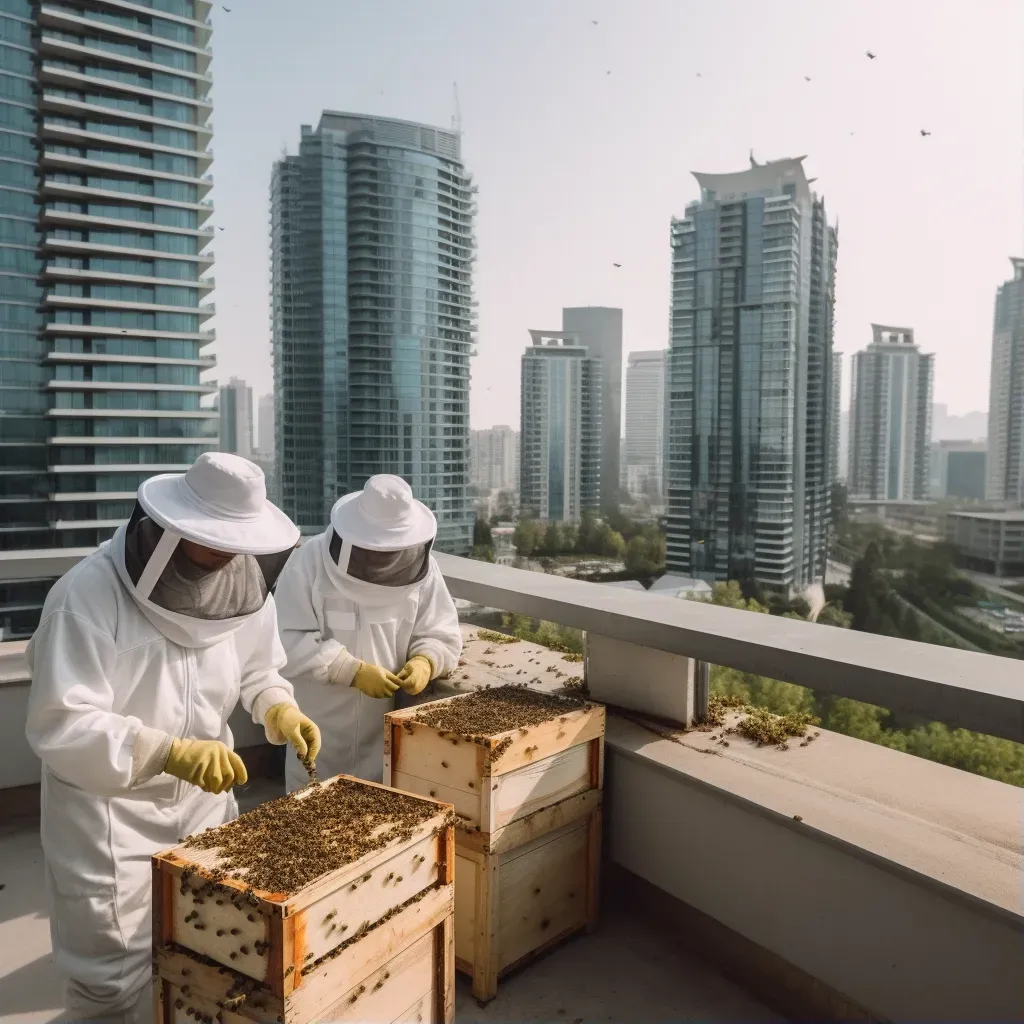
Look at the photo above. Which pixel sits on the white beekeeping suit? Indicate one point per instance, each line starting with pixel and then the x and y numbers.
pixel 362 610
pixel 141 655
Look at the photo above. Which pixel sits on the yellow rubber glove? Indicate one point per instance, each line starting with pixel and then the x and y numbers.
pixel 416 673
pixel 375 681
pixel 301 732
pixel 207 764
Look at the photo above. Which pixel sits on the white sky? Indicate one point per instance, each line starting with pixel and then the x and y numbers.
pixel 579 169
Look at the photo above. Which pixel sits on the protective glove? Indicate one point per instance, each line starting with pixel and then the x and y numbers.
pixel 416 673
pixel 301 732
pixel 375 681
pixel 207 764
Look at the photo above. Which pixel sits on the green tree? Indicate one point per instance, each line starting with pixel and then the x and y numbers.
pixel 645 553
pixel 587 540
pixel 552 544
pixel 482 534
pixel 482 553
pixel 833 614
pixel 570 533
pixel 525 537
pixel 730 595
pixel 609 542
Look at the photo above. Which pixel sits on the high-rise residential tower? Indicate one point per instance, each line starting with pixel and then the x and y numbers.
pixel 645 420
pixel 749 368
pixel 599 328
pixel 265 429
pixel 890 418
pixel 835 416
pixel 494 456
pixel 560 447
pixel 104 161
pixel 236 426
pixel 1005 466
pixel 373 317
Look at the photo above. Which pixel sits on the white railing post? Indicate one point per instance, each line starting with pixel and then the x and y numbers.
pixel 643 679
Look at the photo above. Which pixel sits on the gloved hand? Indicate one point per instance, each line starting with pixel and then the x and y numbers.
pixel 300 731
pixel 416 673
pixel 375 681
pixel 207 764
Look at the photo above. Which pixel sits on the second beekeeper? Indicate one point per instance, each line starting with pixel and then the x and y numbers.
pixel 363 612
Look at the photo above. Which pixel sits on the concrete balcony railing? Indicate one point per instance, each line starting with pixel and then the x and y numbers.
pixel 837 880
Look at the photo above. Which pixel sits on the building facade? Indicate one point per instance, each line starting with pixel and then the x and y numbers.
pixel 236 421
pixel 890 418
pixel 373 317
pixel 599 328
pixel 494 457
pixel 835 417
pixel 104 161
pixel 989 542
pixel 749 374
pixel 265 429
pixel 957 469
pixel 1005 469
pixel 560 448
pixel 643 449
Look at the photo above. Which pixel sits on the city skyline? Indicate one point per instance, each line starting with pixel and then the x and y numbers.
pixel 549 236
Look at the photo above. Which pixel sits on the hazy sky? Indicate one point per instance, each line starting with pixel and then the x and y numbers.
pixel 579 169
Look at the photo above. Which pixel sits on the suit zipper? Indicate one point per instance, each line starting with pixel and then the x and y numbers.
pixel 189 704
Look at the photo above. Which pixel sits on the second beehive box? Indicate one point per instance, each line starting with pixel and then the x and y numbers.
pixel 523 770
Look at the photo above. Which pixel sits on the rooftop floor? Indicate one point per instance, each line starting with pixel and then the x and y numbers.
pixel 626 971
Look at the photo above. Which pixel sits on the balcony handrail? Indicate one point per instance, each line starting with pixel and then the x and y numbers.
pixel 962 689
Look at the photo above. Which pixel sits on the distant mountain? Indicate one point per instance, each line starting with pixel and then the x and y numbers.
pixel 972 426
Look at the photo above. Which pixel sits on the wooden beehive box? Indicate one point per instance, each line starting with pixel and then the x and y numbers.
pixel 335 903
pixel 523 771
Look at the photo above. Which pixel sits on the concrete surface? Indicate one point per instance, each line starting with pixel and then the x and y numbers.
pixel 626 971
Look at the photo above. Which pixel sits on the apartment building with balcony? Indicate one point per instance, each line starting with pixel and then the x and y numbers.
pixel 561 439
pixel 890 418
pixel 104 247
pixel 749 379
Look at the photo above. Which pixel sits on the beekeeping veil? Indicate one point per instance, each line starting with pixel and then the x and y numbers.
pixel 380 536
pixel 221 504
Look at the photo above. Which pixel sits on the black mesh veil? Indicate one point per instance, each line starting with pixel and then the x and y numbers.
pixel 239 587
pixel 399 568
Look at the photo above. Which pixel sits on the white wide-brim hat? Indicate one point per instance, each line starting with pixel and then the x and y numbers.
pixel 221 503
pixel 383 516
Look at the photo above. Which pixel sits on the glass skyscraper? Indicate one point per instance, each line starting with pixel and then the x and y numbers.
pixel 1005 467
pixel 749 379
pixel 104 154
pixel 373 317
pixel 890 418
pixel 560 448
pixel 644 450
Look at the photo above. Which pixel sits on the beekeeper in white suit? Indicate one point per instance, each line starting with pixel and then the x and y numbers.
pixel 143 650
pixel 363 611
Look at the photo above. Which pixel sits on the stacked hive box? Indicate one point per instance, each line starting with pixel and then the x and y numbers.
pixel 348 920
pixel 523 771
